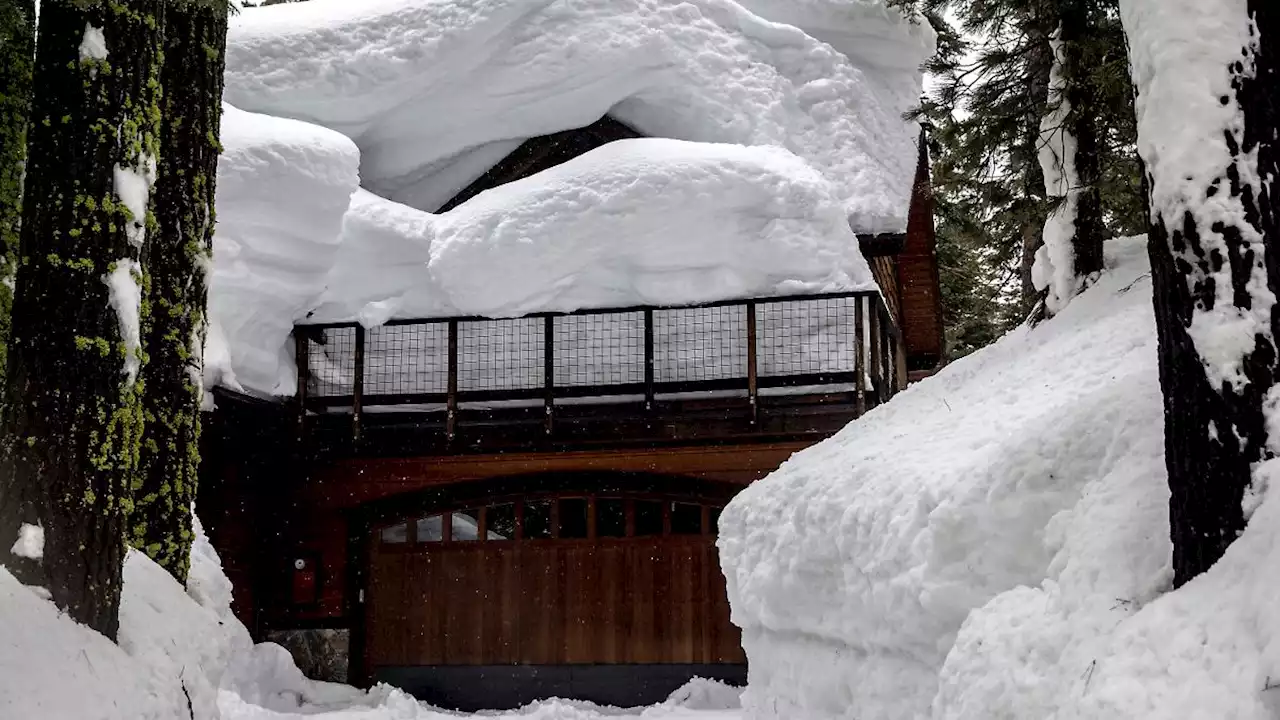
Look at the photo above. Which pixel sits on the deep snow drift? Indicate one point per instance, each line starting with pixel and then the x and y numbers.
pixel 183 655
pixel 435 91
pixel 634 222
pixel 994 544
pixel 283 188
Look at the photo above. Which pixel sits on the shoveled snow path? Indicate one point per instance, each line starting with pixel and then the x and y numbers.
pixel 400 708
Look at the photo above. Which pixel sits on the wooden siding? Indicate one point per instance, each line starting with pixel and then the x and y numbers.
pixel 921 302
pixel 658 600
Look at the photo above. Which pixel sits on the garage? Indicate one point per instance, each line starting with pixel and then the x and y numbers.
pixel 612 597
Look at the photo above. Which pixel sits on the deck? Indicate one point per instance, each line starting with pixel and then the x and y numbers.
pixel 761 369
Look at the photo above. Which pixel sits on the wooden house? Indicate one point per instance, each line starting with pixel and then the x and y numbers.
pixel 498 510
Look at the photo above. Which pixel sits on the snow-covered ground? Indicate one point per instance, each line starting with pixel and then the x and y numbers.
pixel 993 543
pixel 183 655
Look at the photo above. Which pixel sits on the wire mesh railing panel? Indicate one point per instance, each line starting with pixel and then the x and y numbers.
pixel 805 337
pixel 799 342
pixel 699 344
pixel 407 359
pixel 500 354
pixel 331 354
pixel 599 349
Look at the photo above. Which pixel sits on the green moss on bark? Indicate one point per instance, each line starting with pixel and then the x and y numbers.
pixel 69 396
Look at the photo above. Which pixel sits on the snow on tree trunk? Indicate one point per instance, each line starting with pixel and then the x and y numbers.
pixel 176 261
pixel 1206 76
pixel 73 418
pixel 1069 157
pixel 17 45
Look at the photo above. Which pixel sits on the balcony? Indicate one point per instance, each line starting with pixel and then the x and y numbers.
pixel 763 369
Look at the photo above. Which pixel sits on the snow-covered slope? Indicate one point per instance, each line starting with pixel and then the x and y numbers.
pixel 994 544
pixel 283 188
pixel 634 222
pixel 182 655
pixel 435 91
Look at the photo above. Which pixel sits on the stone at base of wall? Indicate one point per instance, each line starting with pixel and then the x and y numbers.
pixel 321 654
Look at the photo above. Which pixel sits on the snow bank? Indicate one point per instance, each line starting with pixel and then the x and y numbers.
pixel 433 92
pixel 994 544
pixel 283 188
pixel 635 222
pixel 852 568
pixel 170 660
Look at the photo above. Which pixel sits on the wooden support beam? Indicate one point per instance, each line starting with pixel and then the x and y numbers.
pixel 451 403
pixel 549 370
pixel 357 385
pixel 753 382
pixel 648 360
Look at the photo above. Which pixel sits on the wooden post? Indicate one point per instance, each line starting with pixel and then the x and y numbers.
pixel 357 385
pixel 876 355
pixel 302 359
pixel 648 360
pixel 860 351
pixel 753 382
pixel 451 402
pixel 549 370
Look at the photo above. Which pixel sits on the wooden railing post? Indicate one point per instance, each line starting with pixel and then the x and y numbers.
pixel 357 385
pixel 302 359
pixel 753 381
pixel 549 370
pixel 648 360
pixel 860 351
pixel 451 400
pixel 876 354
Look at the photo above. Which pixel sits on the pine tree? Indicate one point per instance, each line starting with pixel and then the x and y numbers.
pixel 1215 252
pixel 1070 158
pixel 987 110
pixel 73 419
pixel 17 47
pixel 196 33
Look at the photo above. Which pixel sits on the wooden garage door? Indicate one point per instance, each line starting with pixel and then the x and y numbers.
pixel 551 581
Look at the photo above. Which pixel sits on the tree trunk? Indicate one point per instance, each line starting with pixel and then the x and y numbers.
pixel 17 46
pixel 73 419
pixel 196 34
pixel 1215 263
pixel 1082 122
pixel 1070 157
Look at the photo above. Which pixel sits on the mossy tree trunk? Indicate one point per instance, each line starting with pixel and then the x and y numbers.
pixel 179 252
pixel 73 419
pixel 17 45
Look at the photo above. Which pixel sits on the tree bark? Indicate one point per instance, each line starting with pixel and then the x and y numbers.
pixel 1216 430
pixel 73 418
pixel 196 34
pixel 1082 123
pixel 17 46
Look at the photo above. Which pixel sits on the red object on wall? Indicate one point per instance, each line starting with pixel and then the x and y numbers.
pixel 305 582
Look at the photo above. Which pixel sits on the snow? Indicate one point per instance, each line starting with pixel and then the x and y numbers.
pixel 1181 52
pixel 30 542
pixel 636 222
pixel 133 187
pixel 993 543
pixel 283 188
pixel 1054 267
pixel 94 44
pixel 420 84
pixel 182 654
pixel 125 297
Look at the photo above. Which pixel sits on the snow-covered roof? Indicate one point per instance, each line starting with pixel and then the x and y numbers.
pixel 435 91
pixel 765 147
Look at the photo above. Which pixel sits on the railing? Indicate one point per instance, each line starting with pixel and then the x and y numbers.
pixel 799 345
